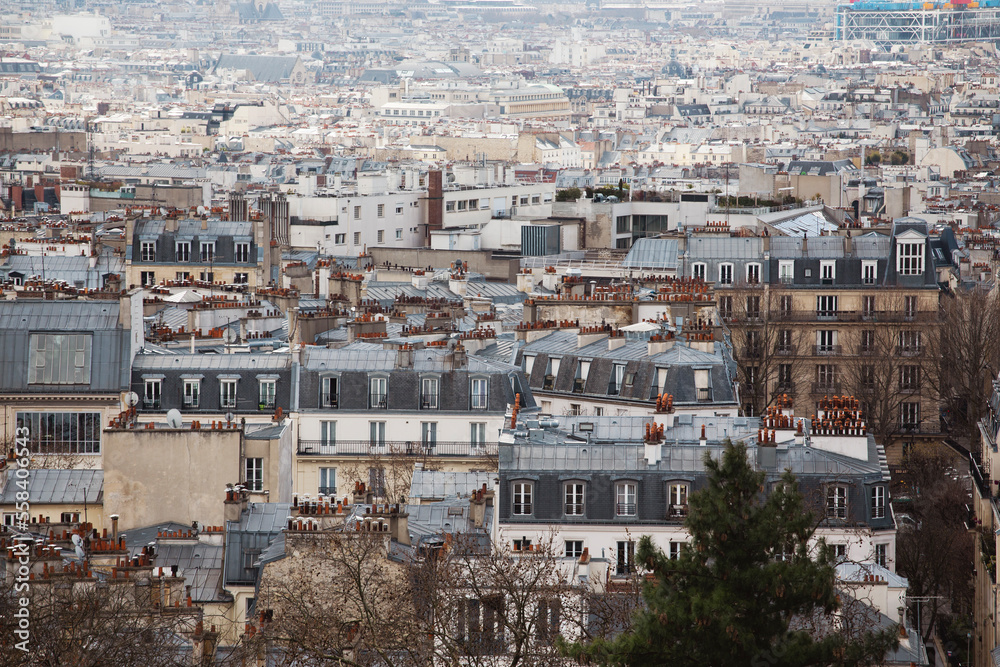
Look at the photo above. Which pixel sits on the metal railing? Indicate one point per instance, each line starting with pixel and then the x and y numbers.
pixel 625 509
pixel 677 511
pixel 832 388
pixel 827 349
pixel 574 509
pixel 397 447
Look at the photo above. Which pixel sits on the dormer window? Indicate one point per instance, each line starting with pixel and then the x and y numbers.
pixel 910 258
pixel 836 502
pixel 677 500
pixel 725 274
pixel 827 272
pixel 753 273
pixel 698 271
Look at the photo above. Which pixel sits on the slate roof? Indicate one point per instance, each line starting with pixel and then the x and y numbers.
pixel 258 526
pixel 59 487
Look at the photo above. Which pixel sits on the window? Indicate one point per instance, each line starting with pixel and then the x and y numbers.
pixel 617 378
pixel 357 212
pixel 399 209
pixel 910 259
pixel 753 348
pixel 839 552
pixel 267 392
pixel 909 415
pixel 399 234
pixel 241 278
pixel 377 392
pixel 480 625
pixel 827 271
pixel 255 474
pixel 328 433
pixel 574 498
pixel 868 306
pixel 227 393
pixel 59 358
pixel 477 433
pixel 785 382
pixel 147 278
pixel 522 498
pixel 357 238
pixel 753 273
pixel 463 205
pixel 192 393
pixel 878 502
pixel 826 377
pixel 868 272
pixel 867 341
pixel 753 307
pixel 909 308
pixel 867 379
pixel 786 271
pixel 208 251
pixel 428 433
pixel 625 561
pixel 381 236
pixel 677 499
pixel 183 251
pixel 243 252
pixel 826 341
pixel 881 554
pixel 429 394
pixel 725 307
pixel 625 494
pixel 909 342
pixel 473 204
pixel 547 619
pixel 62 432
pixel 207 277
pixel 480 393
pixel 340 239
pixel 328 481
pixel 329 393
pixel 909 378
pixel 381 210
pixel 147 251
pixel 376 434
pixel 449 207
pixel 725 274
pixel 698 271
pixel 785 341
pixel 675 550
pixel 376 481
pixel 836 502
pixel 573 549
pixel 826 306
pixel 785 305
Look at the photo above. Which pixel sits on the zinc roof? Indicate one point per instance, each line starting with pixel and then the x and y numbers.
pixel 59 487
pixel 59 315
pixel 652 254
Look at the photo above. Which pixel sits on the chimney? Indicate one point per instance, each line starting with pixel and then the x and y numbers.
pixel 585 339
pixel 204 224
pixel 236 502
pixel 659 346
pixel 114 528
pixel 459 358
pixel 478 502
pixel 435 201
pixel 399 525
pixel 404 356
pixel 615 342
pixel 170 224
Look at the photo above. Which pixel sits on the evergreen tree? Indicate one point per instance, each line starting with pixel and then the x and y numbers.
pixel 746 590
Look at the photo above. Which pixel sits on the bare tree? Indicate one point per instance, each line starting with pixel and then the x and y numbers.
pixel 97 621
pixel 965 356
pixel 768 350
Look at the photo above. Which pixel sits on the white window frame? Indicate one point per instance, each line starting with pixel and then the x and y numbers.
pixel 573 548
pixel 869 272
pixel 428 434
pixel 147 251
pixel 521 498
pixel 254 473
pixel 329 391
pixel 828 270
pixel 191 397
pixel 878 502
pixel 477 433
pixel 182 251
pixel 786 271
pixel 836 501
pixel 725 274
pixel 242 252
pixel 626 495
pixel 699 270
pixel 267 393
pixel 208 251
pixel 327 475
pixel 430 390
pixel 378 393
pixel 480 393
pixel 753 273
pixel 376 433
pixel 152 393
pixel 227 399
pixel 910 258
pixel 574 498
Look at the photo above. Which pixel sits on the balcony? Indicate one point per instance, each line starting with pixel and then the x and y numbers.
pixel 328 400
pixel 831 388
pixel 574 509
pixel 377 401
pixel 328 491
pixel 625 509
pixel 827 350
pixel 151 403
pixel 909 350
pixel 704 394
pixel 396 447
pixel 677 511
pixel 479 402
pixel 428 401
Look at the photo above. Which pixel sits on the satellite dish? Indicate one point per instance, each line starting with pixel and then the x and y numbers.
pixel 78 546
pixel 131 399
pixel 229 336
pixel 174 419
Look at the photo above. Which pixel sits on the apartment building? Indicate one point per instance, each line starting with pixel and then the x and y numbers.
pixel 183 250
pixel 598 483
pixel 831 316
pixel 984 464
pixel 368 414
